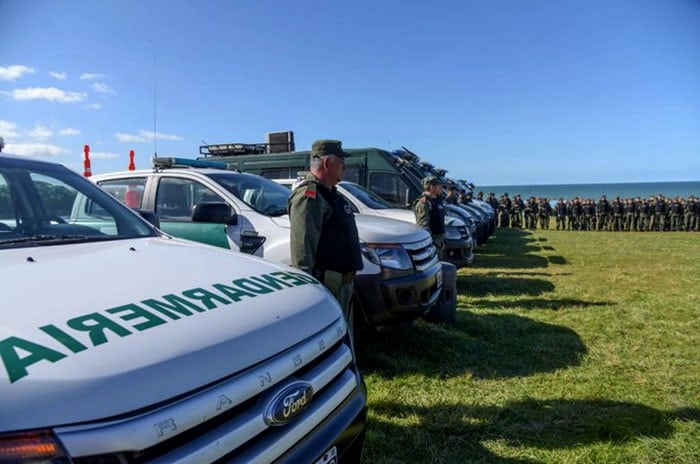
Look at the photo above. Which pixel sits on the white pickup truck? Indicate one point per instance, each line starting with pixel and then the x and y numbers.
pixel 119 344
pixel 401 279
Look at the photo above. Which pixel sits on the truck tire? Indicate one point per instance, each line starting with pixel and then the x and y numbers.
pixel 445 310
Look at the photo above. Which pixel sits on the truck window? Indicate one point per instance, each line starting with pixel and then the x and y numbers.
pixel 128 191
pixel 176 197
pixel 390 187
pixel 8 216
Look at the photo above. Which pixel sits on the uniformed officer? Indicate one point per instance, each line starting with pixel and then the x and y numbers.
pixel 324 240
pixel 430 213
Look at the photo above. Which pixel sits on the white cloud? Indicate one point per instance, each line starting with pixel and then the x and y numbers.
pixel 61 76
pixel 102 88
pixel 93 76
pixel 38 150
pixel 129 138
pixel 149 136
pixel 103 155
pixel 14 72
pixel 40 132
pixel 7 129
pixel 46 93
pixel 144 136
pixel 92 106
pixel 69 131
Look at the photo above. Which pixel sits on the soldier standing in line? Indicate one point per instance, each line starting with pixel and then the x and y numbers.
pixel 617 209
pixel 637 211
pixel 660 213
pixel 691 214
pixel 677 214
pixel 451 197
pixel 602 211
pixel 545 211
pixel 578 213
pixel 323 235
pixel 491 200
pixel 561 210
pixel 588 215
pixel 504 205
pixel 430 214
pixel 644 213
pixel 516 213
pixel 629 215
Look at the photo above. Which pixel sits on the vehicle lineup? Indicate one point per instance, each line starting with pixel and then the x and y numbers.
pixel 170 327
pixel 120 343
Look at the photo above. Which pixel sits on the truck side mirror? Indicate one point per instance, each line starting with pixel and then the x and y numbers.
pixel 150 216
pixel 214 211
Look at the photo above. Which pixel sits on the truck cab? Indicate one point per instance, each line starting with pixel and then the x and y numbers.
pixel 401 279
pixel 120 343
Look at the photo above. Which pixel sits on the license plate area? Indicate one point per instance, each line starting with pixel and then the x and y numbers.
pixel 329 457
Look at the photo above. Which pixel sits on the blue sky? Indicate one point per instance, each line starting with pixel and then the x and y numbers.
pixel 497 91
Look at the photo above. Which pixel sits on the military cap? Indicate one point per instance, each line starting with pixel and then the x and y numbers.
pixel 431 180
pixel 327 147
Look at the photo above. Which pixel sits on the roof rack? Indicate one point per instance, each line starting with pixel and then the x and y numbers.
pixel 275 142
pixel 229 149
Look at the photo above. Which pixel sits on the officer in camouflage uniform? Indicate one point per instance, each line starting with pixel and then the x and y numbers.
pixel 430 214
pixel 324 240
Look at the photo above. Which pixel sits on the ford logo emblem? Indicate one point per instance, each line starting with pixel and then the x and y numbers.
pixel 288 403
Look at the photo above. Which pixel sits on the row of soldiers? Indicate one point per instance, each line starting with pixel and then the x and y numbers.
pixel 657 213
pixel 521 214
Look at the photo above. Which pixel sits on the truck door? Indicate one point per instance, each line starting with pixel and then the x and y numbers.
pixel 175 201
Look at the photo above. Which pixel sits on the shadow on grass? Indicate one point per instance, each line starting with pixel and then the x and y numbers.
pixel 496 283
pixel 454 433
pixel 510 248
pixel 484 345
pixel 537 303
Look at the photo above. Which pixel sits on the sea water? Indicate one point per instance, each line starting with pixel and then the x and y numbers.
pixel 595 191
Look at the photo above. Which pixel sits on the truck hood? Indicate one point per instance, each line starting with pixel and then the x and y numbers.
pixel 82 339
pixel 376 229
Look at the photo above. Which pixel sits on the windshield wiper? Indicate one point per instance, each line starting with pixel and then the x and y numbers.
pixel 51 239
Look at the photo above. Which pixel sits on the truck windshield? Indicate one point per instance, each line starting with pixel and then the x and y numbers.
pixel 262 195
pixel 367 197
pixel 47 204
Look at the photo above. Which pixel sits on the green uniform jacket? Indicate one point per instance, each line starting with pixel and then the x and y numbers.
pixel 308 210
pixel 422 208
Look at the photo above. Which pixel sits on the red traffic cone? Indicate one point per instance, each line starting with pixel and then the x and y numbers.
pixel 132 165
pixel 87 171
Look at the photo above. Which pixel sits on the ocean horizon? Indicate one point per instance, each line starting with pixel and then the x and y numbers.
pixel 682 189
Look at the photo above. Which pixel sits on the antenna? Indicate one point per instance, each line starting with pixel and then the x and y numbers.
pixel 155 100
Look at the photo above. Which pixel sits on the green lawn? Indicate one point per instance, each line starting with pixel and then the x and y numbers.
pixel 568 347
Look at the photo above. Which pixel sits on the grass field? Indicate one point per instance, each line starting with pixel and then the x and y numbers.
pixel 568 347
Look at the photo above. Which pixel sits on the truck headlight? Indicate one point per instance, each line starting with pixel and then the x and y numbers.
pixel 32 447
pixel 391 256
pixel 370 254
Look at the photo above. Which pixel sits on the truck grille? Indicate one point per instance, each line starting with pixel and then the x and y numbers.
pixel 225 421
pixel 422 253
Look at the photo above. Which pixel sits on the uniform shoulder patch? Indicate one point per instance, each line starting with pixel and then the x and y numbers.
pixel 310 190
